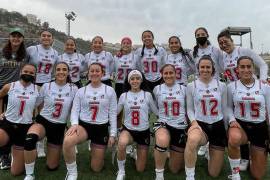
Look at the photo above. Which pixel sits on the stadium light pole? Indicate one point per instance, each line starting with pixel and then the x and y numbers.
pixel 70 17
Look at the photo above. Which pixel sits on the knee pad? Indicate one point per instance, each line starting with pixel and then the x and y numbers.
pixel 161 149
pixel 30 142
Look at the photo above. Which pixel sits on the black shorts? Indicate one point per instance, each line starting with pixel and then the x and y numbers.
pixel 151 85
pixel 140 137
pixel 16 132
pixel 215 134
pixel 97 133
pixel 119 89
pixel 178 137
pixel 78 84
pixel 257 133
pixel 54 132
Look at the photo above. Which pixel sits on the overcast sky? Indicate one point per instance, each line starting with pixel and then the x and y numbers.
pixel 113 19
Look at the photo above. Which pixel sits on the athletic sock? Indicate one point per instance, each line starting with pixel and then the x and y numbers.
pixel 29 168
pixel 159 173
pixel 190 172
pixel 235 165
pixel 121 165
pixel 72 168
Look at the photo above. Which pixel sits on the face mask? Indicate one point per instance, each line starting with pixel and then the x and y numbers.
pixel 201 40
pixel 27 78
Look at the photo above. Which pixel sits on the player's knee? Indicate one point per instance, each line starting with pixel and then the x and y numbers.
pixel 162 141
pixel 193 141
pixel 122 145
pixel 234 139
pixel 30 142
pixel 68 143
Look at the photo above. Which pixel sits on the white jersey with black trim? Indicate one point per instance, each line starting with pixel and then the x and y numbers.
pixel 183 66
pixel 21 103
pixel 137 107
pixel 104 58
pixel 207 102
pixel 216 55
pixel 95 106
pixel 230 63
pixel 249 104
pixel 76 63
pixel 44 60
pixel 172 105
pixel 150 64
pixel 57 101
pixel 123 65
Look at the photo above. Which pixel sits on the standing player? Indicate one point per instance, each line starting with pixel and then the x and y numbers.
pixel 230 56
pixel 94 107
pixel 56 98
pixel 204 47
pixel 43 56
pixel 75 61
pixel 22 96
pixel 12 58
pixel 137 104
pixel 150 59
pixel 172 122
pixel 98 55
pixel 184 64
pixel 249 107
pixel 206 109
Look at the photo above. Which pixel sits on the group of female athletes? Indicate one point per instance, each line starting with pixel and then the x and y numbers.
pixel 189 115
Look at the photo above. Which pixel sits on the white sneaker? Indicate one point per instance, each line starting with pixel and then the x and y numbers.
pixel 71 176
pixel 234 176
pixel 133 154
pixel 29 177
pixel 129 149
pixel 40 149
pixel 120 175
pixel 89 145
pixel 206 155
pixel 243 164
pixel 203 149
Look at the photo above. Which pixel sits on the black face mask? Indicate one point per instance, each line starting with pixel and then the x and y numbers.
pixel 201 40
pixel 27 78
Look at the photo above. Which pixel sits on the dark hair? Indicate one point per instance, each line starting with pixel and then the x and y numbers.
pixel 68 76
pixel 181 50
pixel 196 47
pixel 207 57
pixel 156 50
pixel 28 64
pixel 97 37
pixel 225 33
pixel 20 53
pixel 144 85
pixel 71 38
pixel 245 57
pixel 47 30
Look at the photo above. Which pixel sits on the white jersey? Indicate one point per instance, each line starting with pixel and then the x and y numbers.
pixel 150 64
pixel 21 103
pixel 248 104
pixel 137 108
pixel 206 102
pixel 123 65
pixel 172 105
pixel 76 63
pixel 104 58
pixel 44 60
pixel 183 66
pixel 57 101
pixel 95 106
pixel 216 56
pixel 230 63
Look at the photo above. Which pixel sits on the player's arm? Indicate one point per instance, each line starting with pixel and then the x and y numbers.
pixel 224 101
pixel 4 90
pixel 113 113
pixel 152 103
pixel 120 104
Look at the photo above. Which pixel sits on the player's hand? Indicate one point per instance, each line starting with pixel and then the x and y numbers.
pixel 194 125
pixel 2 116
pixel 111 141
pixel 73 130
pixel 235 124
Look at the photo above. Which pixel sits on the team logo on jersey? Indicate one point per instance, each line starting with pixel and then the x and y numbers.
pixel 46 56
pixel 67 94
pixel 135 103
pixel 23 93
pixel 170 94
pixel 207 91
pixel 248 94
pixel 94 98
pixel 60 90
pixel 59 95
pixel 177 92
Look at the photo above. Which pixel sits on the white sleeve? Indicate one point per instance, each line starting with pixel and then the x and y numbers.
pixel 41 96
pixel 56 56
pixel 230 104
pixel 111 62
pixel 190 102
pixel 137 58
pixel 83 63
pixel 267 101
pixel 113 113
pixel 224 101
pixel 31 53
pixel 258 61
pixel 120 104
pixel 163 56
pixel 152 103
pixel 220 60
pixel 156 93
pixel 76 108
